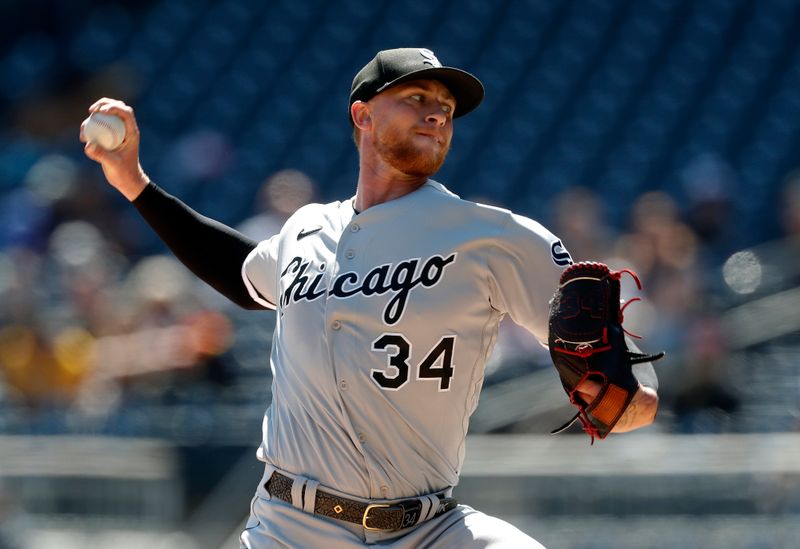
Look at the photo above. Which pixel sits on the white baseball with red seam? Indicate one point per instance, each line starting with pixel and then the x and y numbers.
pixel 105 130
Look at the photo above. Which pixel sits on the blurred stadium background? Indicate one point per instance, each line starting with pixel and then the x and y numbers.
pixel 661 135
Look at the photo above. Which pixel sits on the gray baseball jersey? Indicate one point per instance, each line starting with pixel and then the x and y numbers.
pixel 385 320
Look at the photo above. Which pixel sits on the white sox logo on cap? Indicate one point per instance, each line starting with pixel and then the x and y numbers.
pixel 430 58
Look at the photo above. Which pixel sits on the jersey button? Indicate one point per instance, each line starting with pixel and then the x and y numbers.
pixel 336 325
pixel 362 437
pixel 385 491
pixel 343 387
pixel 354 228
pixel 349 254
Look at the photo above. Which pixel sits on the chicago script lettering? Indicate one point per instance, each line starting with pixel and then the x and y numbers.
pixel 398 279
pixel 298 285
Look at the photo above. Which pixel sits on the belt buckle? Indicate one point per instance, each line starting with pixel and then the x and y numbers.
pixel 369 508
pixel 410 508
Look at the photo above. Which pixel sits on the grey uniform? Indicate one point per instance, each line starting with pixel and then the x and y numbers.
pixel 385 320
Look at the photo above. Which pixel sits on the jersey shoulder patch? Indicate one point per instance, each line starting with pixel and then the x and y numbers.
pixel 559 254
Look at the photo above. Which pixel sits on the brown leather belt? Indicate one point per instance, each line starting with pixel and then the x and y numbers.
pixel 375 516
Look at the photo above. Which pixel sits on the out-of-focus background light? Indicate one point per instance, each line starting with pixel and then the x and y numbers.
pixel 742 272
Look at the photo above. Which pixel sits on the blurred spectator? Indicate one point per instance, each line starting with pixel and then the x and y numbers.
pixel 278 198
pixel 30 368
pixel 25 219
pixel 790 205
pixel 166 329
pixel 659 242
pixel 704 398
pixel 663 251
pixel 201 156
pixel 581 225
pixel 708 182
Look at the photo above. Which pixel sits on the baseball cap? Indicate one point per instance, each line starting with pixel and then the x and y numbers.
pixel 391 67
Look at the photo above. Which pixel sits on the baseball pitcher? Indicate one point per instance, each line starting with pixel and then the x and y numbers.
pixel 388 305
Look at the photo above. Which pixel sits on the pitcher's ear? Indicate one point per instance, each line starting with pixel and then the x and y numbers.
pixel 362 119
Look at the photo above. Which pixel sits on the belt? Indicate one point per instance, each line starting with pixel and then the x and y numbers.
pixel 372 516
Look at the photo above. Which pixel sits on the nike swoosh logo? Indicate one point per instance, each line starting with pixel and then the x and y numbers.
pixel 305 232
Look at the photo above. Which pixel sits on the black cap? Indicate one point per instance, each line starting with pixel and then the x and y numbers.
pixel 391 67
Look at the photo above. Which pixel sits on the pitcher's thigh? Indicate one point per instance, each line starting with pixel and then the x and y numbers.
pixel 465 527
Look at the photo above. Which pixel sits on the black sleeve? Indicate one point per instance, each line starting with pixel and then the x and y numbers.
pixel 211 250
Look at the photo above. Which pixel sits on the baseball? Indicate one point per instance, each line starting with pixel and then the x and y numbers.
pixel 106 130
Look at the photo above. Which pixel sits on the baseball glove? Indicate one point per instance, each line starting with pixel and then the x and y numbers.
pixel 587 341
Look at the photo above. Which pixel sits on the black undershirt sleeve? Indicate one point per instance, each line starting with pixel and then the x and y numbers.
pixel 212 251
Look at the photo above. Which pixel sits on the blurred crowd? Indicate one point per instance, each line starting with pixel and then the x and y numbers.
pixel 95 317
pixel 686 256
pixel 92 319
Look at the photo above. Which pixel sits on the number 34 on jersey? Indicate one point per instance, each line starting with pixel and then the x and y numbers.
pixel 437 365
